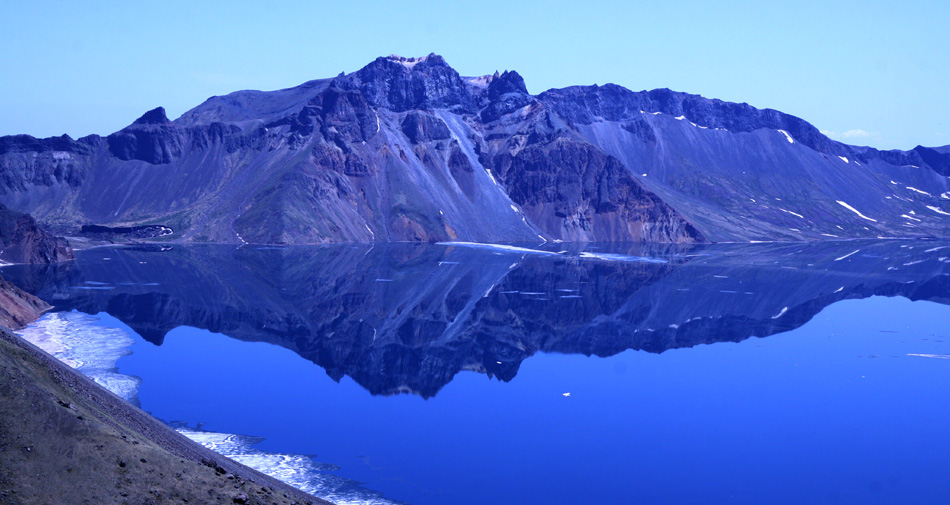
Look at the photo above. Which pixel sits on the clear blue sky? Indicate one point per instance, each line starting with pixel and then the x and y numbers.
pixel 869 72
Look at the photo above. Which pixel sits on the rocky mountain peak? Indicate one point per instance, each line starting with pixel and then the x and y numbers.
pixel 399 84
pixel 154 116
pixel 508 82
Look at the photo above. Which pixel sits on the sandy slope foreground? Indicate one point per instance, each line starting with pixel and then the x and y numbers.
pixel 65 440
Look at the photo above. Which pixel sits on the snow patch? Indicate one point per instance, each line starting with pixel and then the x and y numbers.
pixel 407 62
pixel 847 255
pixel 481 81
pixel 852 209
pixel 792 213
pixel 781 313
pixel 938 211
pixel 492 177
pixel 787 136
pixel 905 216
pixel 919 191
pixel 843 159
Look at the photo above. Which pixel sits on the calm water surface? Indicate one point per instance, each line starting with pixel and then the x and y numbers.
pixel 452 375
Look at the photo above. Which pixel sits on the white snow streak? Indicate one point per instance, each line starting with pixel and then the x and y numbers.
pixel 781 313
pixel 852 209
pixel 847 255
pixel 938 211
pixel 792 213
pixel 843 159
pixel 919 191
pixel 490 175
pixel 787 136
pixel 905 216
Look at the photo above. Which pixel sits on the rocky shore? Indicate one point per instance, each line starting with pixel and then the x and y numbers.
pixel 66 440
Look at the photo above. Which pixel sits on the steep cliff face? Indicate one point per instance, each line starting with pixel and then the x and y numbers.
pixel 407 149
pixel 23 241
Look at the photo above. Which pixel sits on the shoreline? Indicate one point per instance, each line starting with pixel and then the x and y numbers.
pixel 120 416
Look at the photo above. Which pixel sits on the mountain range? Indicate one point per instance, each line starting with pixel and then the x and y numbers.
pixel 406 149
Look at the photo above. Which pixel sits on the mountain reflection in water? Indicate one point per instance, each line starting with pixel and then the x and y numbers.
pixel 408 317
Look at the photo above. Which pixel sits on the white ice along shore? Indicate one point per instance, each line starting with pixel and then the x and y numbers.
pixel 582 255
pixel 78 341
pixel 84 343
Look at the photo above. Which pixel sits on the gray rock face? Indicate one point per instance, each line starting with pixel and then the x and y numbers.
pixel 407 149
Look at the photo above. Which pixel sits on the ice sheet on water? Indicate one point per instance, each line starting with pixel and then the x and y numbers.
pixel 500 247
pixel 301 472
pixel 620 257
pixel 79 340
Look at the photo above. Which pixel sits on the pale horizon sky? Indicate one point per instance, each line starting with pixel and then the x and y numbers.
pixel 867 73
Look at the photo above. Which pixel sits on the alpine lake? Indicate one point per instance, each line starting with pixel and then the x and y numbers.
pixel 451 374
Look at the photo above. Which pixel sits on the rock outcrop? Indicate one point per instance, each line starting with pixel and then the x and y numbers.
pixel 17 307
pixel 23 241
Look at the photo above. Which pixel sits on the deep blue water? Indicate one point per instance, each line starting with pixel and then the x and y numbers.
pixel 835 391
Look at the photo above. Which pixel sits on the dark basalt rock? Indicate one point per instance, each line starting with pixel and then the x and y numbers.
pixel 401 84
pixel 64 143
pixel 578 193
pixel 154 116
pixel 151 138
pixel 935 159
pixel 422 127
pixel 23 241
pixel 506 93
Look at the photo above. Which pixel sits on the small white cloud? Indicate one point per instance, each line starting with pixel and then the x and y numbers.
pixel 855 133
